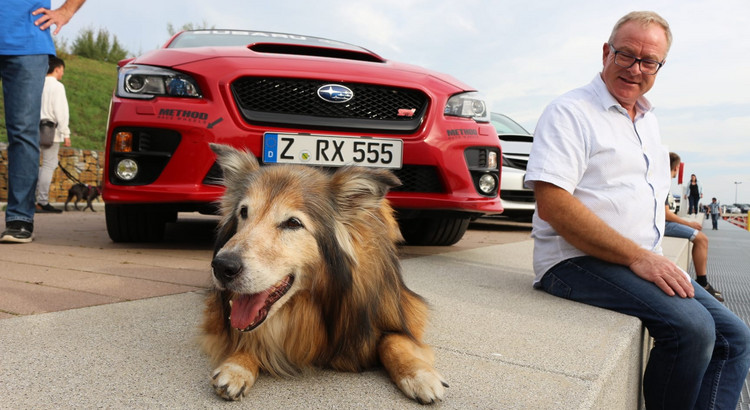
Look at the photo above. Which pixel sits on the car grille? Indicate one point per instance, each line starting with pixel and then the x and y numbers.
pixel 517 196
pixel 295 102
pixel 517 163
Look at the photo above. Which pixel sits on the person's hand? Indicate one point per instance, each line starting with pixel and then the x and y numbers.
pixel 58 17
pixel 695 225
pixel 663 273
pixel 67 142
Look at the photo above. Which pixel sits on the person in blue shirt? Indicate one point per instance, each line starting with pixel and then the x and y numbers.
pixel 25 46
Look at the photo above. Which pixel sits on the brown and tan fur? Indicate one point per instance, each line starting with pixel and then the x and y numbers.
pixel 347 308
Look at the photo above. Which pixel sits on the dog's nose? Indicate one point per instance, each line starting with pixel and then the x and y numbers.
pixel 226 266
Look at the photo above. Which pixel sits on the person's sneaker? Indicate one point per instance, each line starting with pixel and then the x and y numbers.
pixel 47 208
pixel 17 232
pixel 715 293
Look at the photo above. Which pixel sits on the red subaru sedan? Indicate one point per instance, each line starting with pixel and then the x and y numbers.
pixel 293 99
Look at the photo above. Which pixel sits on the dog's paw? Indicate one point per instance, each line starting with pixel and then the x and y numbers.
pixel 426 386
pixel 232 381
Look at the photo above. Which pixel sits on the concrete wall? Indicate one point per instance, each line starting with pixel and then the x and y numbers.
pixel 84 165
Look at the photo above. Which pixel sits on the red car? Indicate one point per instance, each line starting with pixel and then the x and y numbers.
pixel 293 99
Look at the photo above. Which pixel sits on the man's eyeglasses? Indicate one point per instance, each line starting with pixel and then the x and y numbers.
pixel 626 60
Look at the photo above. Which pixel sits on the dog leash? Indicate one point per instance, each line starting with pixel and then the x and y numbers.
pixel 69 175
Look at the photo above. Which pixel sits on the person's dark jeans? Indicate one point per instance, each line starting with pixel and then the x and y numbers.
pixel 693 204
pixel 701 353
pixel 23 82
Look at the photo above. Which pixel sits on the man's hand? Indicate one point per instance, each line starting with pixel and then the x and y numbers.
pixel 695 225
pixel 58 17
pixel 663 273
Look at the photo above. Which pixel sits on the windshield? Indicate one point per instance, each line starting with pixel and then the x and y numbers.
pixel 504 125
pixel 218 38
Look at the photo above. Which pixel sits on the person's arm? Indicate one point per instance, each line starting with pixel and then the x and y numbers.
pixel 62 113
pixel 587 232
pixel 670 216
pixel 59 17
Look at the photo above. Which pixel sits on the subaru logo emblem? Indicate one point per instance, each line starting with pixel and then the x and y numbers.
pixel 335 93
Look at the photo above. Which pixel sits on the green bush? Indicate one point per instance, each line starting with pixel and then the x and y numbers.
pixel 98 47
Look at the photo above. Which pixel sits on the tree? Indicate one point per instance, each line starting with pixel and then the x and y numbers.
pixel 188 26
pixel 98 47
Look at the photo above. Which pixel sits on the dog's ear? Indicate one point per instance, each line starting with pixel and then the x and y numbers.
pixel 362 188
pixel 235 164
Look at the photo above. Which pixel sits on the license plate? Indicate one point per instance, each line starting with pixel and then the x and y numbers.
pixel 326 150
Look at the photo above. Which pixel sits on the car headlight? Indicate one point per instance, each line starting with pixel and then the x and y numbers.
pixel 468 105
pixel 145 82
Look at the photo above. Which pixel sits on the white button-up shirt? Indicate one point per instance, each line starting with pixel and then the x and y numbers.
pixel 586 143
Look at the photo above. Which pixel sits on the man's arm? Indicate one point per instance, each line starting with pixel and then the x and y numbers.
pixel 59 17
pixel 670 216
pixel 587 232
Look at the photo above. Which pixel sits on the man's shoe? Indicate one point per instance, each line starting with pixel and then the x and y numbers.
pixel 715 293
pixel 17 232
pixel 47 208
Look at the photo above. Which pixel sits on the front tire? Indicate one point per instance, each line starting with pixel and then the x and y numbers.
pixel 136 223
pixel 434 231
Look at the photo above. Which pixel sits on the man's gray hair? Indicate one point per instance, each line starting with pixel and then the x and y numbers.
pixel 645 18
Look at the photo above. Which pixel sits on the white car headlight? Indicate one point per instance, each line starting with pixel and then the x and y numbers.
pixel 145 82
pixel 468 105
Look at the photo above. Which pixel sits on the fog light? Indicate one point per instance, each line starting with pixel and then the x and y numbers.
pixel 123 142
pixel 487 184
pixel 126 169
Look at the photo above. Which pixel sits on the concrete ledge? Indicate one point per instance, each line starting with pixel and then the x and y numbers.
pixel 498 342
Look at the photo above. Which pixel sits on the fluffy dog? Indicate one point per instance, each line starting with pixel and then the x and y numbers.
pixel 83 192
pixel 306 274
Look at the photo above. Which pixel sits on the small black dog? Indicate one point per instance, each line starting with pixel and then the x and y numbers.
pixel 81 191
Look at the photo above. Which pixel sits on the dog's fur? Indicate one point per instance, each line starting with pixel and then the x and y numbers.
pixel 81 192
pixel 320 249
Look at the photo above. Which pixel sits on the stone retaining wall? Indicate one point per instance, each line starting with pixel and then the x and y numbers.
pixel 84 165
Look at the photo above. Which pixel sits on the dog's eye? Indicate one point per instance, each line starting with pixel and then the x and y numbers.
pixel 243 212
pixel 292 223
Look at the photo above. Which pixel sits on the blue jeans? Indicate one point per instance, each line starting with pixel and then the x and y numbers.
pixel 679 230
pixel 715 221
pixel 701 352
pixel 23 82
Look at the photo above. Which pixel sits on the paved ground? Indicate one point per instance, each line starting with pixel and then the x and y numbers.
pixel 72 263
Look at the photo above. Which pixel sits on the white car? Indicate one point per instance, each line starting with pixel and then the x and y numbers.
pixel 518 201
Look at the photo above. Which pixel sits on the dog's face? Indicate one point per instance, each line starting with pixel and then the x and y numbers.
pixel 284 231
pixel 265 262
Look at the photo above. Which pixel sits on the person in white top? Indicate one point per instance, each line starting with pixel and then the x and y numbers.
pixel 600 175
pixel 54 109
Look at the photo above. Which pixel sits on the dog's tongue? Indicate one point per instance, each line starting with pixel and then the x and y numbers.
pixel 246 309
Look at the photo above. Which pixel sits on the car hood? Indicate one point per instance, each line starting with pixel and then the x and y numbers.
pixel 184 57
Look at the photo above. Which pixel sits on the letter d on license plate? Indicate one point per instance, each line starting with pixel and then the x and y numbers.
pixel 332 151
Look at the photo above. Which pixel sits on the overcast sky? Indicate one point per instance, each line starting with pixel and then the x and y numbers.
pixel 520 54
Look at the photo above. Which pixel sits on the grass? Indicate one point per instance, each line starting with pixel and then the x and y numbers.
pixel 88 85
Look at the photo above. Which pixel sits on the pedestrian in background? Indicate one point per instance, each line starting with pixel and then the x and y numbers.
pixel 690 230
pixel 715 210
pixel 600 175
pixel 24 55
pixel 55 113
pixel 693 193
